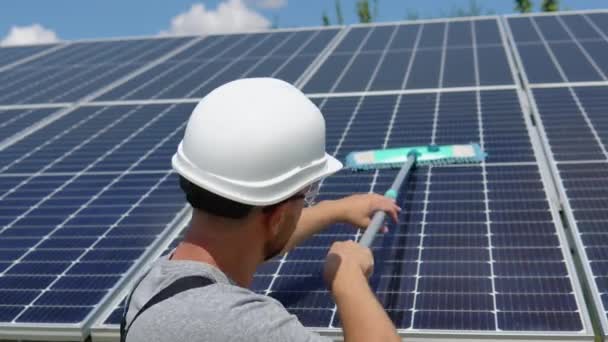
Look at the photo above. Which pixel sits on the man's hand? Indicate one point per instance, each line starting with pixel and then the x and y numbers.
pixel 347 267
pixel 359 209
pixel 347 261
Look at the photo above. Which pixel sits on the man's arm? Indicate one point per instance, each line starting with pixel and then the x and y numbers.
pixel 347 267
pixel 356 210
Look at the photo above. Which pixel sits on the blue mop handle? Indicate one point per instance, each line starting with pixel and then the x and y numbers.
pixel 379 217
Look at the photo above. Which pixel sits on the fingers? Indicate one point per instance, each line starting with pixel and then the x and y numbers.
pixel 387 205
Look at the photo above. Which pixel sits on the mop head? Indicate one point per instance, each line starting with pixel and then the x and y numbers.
pixel 425 155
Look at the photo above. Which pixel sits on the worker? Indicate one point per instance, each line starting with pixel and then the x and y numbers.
pixel 252 154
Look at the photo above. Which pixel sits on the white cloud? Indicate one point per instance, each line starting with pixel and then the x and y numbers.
pixel 229 16
pixel 272 4
pixel 33 34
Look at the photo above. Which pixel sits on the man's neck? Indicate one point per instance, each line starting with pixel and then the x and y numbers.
pixel 234 254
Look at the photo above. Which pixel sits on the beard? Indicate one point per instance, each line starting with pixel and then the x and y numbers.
pixel 276 246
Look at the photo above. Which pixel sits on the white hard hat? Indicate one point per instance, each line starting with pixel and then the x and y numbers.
pixel 255 141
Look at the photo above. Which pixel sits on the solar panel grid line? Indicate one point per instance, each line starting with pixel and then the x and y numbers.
pixel 316 64
pixel 425 201
pixel 595 27
pixel 88 173
pixel 93 198
pixel 410 91
pixel 351 60
pixel 91 79
pixel 551 166
pixel 99 238
pixel 588 276
pixel 218 72
pixel 35 127
pixel 141 70
pixel 296 53
pixel 251 68
pixel 179 225
pixel 88 167
pixel 509 48
pixel 582 48
pixel 33 57
pixel 384 145
pixel 73 149
pixel 9 121
pixel 16 84
pixel 168 70
pixel 573 94
pixel 197 68
pixel 521 81
pixel 485 179
pixel 571 84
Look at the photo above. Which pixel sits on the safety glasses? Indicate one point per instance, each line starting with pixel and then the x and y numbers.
pixel 309 194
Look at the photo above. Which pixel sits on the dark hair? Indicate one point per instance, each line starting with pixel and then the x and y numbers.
pixel 211 203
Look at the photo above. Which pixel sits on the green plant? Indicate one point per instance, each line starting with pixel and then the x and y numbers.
pixel 550 5
pixel 363 11
pixel 325 19
pixel 339 17
pixel 523 6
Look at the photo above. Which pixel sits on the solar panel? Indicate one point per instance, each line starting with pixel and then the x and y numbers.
pixel 561 52
pixel 74 71
pixel 11 54
pixel 562 48
pixel 575 132
pixel 477 248
pixel 412 56
pixel 220 59
pixel 464 256
pixel 13 121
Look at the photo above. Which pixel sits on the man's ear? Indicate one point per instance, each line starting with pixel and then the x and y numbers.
pixel 273 217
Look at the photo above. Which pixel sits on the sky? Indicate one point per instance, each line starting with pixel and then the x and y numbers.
pixel 43 21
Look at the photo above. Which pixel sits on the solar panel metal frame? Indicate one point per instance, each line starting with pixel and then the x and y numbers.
pixel 575 235
pixel 104 332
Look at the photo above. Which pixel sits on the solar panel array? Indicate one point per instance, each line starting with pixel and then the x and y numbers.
pixel 566 66
pixel 88 198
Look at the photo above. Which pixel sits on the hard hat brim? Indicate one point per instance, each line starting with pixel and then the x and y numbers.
pixel 260 193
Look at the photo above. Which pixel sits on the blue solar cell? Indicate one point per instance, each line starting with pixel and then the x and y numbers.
pixel 541 321
pixel 11 54
pixel 54 314
pixel 15 120
pixel 433 35
pixel 79 69
pixel 454 320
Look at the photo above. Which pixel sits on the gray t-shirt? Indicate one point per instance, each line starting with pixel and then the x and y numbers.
pixel 219 312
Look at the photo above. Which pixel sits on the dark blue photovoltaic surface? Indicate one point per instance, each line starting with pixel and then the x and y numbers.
pixel 13 121
pixel 576 44
pixel 79 69
pixel 12 54
pixel 220 59
pixel 65 241
pixel 101 139
pixel 453 264
pixel 577 133
pixel 410 57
